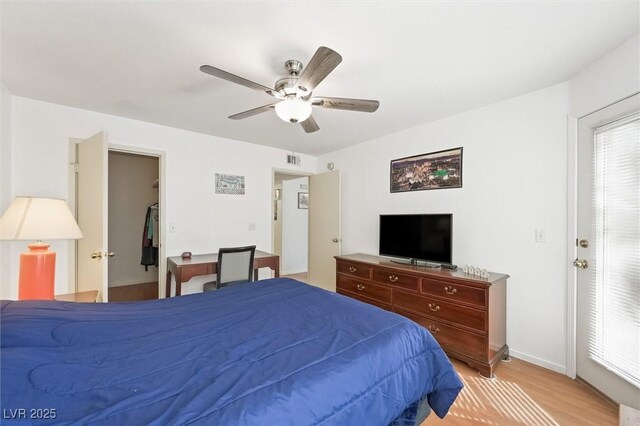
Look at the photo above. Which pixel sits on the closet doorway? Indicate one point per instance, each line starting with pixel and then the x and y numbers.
pixel 133 231
pixel 111 188
pixel 290 229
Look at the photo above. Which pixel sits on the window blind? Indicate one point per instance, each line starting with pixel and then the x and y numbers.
pixel 615 298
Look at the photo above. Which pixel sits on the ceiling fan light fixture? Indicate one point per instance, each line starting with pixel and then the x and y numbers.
pixel 293 110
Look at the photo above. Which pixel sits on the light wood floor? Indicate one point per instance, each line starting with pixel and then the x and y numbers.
pixel 525 394
pixel 300 277
pixel 134 292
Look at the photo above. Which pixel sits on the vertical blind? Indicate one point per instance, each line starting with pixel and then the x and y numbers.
pixel 615 298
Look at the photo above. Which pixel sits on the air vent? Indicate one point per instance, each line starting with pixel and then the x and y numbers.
pixel 293 159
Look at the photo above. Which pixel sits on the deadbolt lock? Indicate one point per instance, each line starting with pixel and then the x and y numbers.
pixel 584 243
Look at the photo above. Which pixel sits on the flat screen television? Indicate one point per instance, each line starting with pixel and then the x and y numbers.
pixel 417 237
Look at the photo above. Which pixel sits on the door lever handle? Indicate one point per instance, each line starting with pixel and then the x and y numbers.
pixel 100 255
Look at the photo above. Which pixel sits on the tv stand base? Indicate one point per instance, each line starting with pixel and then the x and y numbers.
pixel 416 262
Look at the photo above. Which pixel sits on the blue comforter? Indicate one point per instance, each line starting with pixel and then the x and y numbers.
pixel 273 352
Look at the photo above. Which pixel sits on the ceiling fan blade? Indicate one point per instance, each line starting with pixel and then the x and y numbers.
pixel 309 125
pixel 252 112
pixel 216 72
pixel 361 105
pixel 321 64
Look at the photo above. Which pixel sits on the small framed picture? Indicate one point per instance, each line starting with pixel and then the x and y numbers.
pixel 303 200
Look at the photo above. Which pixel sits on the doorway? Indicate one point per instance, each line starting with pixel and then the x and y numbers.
pixel 323 236
pixel 608 249
pixel 133 231
pixel 91 257
pixel 290 224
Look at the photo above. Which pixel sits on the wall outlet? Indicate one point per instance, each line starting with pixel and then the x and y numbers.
pixel 172 228
pixel 541 235
pixel 252 226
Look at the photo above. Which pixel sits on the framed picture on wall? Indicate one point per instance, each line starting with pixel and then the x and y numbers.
pixel 434 170
pixel 303 200
pixel 229 184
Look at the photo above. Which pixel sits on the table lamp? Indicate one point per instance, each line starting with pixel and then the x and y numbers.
pixel 31 218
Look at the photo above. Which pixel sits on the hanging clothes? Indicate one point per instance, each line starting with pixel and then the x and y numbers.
pixel 149 252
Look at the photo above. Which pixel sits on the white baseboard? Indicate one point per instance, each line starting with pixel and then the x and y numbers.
pixel 539 362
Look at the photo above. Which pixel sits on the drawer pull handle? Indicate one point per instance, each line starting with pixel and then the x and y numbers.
pixel 450 290
pixel 393 278
pixel 352 269
pixel 360 287
pixel 434 307
pixel 433 329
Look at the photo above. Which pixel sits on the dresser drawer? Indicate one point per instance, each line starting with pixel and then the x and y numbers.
pixel 365 300
pixel 365 289
pixel 355 270
pixel 399 280
pixel 451 338
pixel 455 292
pixel 436 309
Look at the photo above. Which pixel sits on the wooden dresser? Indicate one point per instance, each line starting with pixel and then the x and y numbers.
pixel 466 314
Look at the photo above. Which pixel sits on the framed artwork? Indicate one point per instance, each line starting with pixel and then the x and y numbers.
pixel 229 184
pixel 435 170
pixel 303 200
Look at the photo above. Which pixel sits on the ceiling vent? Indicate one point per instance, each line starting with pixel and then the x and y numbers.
pixel 293 159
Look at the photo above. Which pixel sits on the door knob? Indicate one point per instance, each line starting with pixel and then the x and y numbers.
pixel 335 240
pixel 581 263
pixel 100 255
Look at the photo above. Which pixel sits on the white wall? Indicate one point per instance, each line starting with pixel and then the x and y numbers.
pixel 5 182
pixel 514 181
pixel 130 194
pixel 610 79
pixel 295 227
pixel 204 220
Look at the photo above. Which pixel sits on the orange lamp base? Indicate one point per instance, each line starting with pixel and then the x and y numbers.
pixel 37 273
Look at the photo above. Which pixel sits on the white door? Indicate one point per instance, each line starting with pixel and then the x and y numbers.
pixel 324 228
pixel 608 250
pixel 91 202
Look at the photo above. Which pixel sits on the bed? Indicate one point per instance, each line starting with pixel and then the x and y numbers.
pixel 272 352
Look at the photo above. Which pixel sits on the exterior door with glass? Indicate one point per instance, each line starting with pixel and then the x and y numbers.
pixel 608 251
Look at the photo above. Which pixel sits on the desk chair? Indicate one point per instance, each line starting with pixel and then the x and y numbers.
pixel 235 266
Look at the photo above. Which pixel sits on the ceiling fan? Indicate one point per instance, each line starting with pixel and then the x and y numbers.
pixel 294 93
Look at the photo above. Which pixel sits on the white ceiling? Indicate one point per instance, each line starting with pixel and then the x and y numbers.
pixel 421 60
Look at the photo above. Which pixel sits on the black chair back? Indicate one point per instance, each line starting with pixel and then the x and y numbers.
pixel 235 265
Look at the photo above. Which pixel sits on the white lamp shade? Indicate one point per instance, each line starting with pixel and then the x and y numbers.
pixel 293 110
pixel 31 218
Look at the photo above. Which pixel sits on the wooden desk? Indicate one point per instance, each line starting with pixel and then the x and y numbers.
pixel 205 264
pixel 83 296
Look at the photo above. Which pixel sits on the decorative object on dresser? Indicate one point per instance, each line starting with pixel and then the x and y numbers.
pixel 435 170
pixel 465 313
